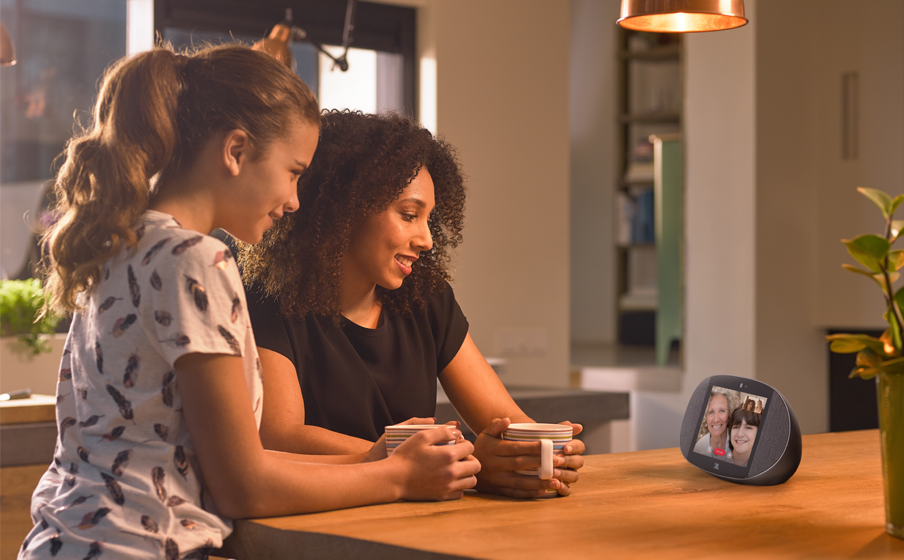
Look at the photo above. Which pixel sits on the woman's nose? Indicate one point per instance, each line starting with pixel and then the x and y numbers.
pixel 292 204
pixel 424 241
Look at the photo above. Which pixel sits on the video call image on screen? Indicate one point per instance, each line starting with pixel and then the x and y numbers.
pixel 729 427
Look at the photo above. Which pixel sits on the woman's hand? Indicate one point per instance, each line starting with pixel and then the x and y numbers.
pixel 500 458
pixel 572 460
pixel 431 472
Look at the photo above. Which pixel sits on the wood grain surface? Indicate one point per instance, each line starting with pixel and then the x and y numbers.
pixel 37 408
pixel 648 504
pixel 16 487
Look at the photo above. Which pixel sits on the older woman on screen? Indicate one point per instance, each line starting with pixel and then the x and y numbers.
pixel 714 431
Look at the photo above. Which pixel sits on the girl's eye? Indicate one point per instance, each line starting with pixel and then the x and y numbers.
pixel 409 217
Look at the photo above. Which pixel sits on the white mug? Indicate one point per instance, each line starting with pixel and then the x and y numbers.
pixel 552 438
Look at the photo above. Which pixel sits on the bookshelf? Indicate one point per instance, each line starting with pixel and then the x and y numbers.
pixel 650 104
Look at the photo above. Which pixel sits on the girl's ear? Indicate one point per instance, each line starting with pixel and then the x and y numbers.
pixel 236 150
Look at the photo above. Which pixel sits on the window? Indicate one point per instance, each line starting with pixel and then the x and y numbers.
pixel 62 50
pixel 381 65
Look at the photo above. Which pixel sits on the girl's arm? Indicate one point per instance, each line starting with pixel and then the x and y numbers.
pixel 282 422
pixel 486 407
pixel 247 481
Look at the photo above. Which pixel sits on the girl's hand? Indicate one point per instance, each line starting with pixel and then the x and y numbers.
pixel 430 472
pixel 378 449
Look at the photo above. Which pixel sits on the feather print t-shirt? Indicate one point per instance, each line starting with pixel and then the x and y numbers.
pixel 125 482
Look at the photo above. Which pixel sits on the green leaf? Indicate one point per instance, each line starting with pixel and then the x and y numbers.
pixel 895 365
pixel 899 298
pixel 895 260
pixel 869 250
pixel 850 343
pixel 892 278
pixel 865 373
pixel 895 331
pixel 894 204
pixel 878 278
pixel 853 268
pixel 868 358
pixel 896 228
pixel 882 200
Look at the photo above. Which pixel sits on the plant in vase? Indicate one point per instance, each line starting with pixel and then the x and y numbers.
pixel 20 304
pixel 882 357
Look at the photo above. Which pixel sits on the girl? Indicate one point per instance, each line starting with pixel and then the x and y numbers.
pixel 356 338
pixel 160 393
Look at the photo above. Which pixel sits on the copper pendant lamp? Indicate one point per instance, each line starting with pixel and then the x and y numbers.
pixel 7 51
pixel 681 16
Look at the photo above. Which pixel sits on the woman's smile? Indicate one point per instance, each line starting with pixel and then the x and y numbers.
pixel 405 263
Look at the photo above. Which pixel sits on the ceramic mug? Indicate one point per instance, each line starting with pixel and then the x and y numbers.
pixel 552 438
pixel 397 434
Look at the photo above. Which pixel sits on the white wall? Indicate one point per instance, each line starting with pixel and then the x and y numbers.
pixel 593 118
pixel 502 100
pixel 790 348
pixel 769 196
pixel 871 43
pixel 720 224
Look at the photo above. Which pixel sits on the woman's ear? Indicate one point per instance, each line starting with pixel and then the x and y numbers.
pixel 236 150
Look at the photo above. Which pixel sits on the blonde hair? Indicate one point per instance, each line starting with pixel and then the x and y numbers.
pixel 153 114
pixel 733 398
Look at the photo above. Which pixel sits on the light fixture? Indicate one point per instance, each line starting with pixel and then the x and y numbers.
pixel 282 35
pixel 681 16
pixel 7 51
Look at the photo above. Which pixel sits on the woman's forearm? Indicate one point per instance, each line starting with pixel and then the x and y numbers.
pixel 312 440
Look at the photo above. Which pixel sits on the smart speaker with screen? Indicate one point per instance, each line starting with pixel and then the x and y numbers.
pixel 741 430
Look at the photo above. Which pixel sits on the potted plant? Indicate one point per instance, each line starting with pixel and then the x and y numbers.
pixel 20 303
pixel 882 357
pixel 29 351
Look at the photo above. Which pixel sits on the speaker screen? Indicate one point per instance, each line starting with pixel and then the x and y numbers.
pixel 728 429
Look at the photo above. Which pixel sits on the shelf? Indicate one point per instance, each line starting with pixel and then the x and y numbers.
pixel 667 53
pixel 670 117
pixel 645 301
pixel 626 184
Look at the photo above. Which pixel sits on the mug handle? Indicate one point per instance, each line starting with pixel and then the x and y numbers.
pixel 545 472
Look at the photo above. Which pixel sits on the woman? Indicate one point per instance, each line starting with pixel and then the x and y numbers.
pixel 742 426
pixel 159 397
pixel 353 314
pixel 715 424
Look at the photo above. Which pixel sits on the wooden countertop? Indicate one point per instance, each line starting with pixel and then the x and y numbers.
pixel 590 408
pixel 28 431
pixel 646 504
pixel 36 408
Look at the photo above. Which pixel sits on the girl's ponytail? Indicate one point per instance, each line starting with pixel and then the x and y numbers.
pixel 153 114
pixel 104 184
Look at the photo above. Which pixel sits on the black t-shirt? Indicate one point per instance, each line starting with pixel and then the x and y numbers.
pixel 356 380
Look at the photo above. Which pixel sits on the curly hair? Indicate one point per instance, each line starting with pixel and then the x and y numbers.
pixel 362 164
